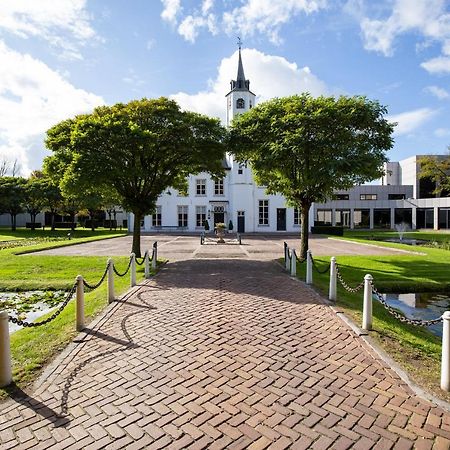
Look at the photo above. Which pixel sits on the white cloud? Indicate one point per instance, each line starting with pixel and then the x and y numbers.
pixel 172 8
pixel 253 17
pixel 65 24
pixel 410 120
pixel 151 43
pixel 34 97
pixel 438 92
pixel 270 76
pixel 442 132
pixel 440 64
pixel 427 18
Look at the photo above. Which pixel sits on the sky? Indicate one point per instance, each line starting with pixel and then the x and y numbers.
pixel 65 57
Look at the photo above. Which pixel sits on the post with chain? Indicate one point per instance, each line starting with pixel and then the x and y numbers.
pixel 154 255
pixel 146 265
pixel 80 303
pixel 333 280
pixel 293 263
pixel 133 270
pixel 309 268
pixel 445 362
pixel 285 254
pixel 110 280
pixel 5 351
pixel 367 303
pixel 287 263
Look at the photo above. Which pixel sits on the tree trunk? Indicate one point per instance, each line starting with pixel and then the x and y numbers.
pixel 305 206
pixel 137 234
pixel 13 222
pixel 72 219
pixel 53 221
pixel 110 220
pixel 92 214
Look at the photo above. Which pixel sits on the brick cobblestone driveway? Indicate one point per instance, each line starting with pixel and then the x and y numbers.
pixel 221 354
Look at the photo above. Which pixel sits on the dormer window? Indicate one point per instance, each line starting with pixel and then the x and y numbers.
pixel 240 103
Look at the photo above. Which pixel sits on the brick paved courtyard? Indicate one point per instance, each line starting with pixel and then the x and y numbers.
pixel 221 354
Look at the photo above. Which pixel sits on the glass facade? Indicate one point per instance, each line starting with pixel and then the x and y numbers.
pixel 361 218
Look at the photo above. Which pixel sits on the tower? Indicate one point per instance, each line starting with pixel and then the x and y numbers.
pixel 240 99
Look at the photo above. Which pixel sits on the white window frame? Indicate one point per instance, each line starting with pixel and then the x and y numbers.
pixel 157 217
pixel 200 187
pixel 219 187
pixel 263 212
pixel 200 216
pixel 183 215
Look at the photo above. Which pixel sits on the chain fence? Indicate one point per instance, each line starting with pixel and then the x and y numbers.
pixel 24 323
pixel 142 259
pixel 102 279
pixel 401 317
pixel 345 285
pixel 327 269
pixel 126 271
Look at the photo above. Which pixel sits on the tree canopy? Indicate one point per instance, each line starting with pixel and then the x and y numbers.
pixel 136 150
pixel 305 148
pixel 12 197
pixel 437 168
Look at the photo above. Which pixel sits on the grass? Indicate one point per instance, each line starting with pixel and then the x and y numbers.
pixel 414 348
pixel 33 348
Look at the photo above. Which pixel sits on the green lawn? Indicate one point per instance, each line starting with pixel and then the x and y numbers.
pixel 414 348
pixel 32 348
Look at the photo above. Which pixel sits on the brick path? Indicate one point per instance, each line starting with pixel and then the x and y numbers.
pixel 221 354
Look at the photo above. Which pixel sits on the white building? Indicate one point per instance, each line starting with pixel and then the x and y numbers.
pixel 402 197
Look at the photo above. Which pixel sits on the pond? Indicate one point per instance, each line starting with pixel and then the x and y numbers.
pixel 424 305
pixel 29 305
pixel 407 241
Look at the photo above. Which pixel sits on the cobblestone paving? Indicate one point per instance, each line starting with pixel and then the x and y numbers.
pixel 221 354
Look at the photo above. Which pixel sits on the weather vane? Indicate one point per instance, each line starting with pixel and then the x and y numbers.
pixel 239 42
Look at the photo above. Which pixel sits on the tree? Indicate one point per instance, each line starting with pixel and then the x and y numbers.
pixel 305 148
pixel 438 170
pixel 53 199
pixel 34 201
pixel 12 197
pixel 138 150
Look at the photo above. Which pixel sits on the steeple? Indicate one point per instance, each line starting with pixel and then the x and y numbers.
pixel 240 84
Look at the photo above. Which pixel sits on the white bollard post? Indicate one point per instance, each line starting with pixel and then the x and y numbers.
pixel 309 275
pixel 5 351
pixel 133 270
pixel 285 254
pixel 80 303
pixel 146 265
pixel 287 264
pixel 293 264
pixel 445 362
pixel 333 280
pixel 154 255
pixel 367 303
pixel 111 296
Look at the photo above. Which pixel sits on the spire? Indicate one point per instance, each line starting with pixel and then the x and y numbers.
pixel 240 84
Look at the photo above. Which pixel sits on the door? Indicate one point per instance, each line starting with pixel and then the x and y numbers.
pixel 281 219
pixel 219 217
pixel 241 221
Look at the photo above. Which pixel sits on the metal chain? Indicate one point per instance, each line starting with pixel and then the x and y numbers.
pixel 24 323
pixel 345 285
pixel 126 271
pixel 102 279
pixel 401 317
pixel 317 269
pixel 143 259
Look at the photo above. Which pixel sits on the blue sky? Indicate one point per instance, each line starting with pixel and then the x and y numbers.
pixel 61 58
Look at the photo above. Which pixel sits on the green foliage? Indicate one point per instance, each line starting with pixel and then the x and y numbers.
pixel 12 197
pixel 136 151
pixel 437 169
pixel 305 148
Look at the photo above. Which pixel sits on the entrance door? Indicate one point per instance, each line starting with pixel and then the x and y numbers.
pixel 241 221
pixel 281 219
pixel 219 217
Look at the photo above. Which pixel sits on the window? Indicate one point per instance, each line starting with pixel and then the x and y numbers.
pixel 323 217
pixel 382 218
pixel 361 218
pixel 341 197
pixel 368 196
pixel 201 187
pixel 342 217
pixel 183 216
pixel 218 187
pixel 396 196
pixel 157 217
pixel 264 212
pixel 240 169
pixel 240 103
pixel 200 213
pixel 296 216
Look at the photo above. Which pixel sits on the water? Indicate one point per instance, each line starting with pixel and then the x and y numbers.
pixel 406 241
pixel 425 305
pixel 28 306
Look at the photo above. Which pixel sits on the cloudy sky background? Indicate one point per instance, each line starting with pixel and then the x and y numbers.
pixel 61 58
